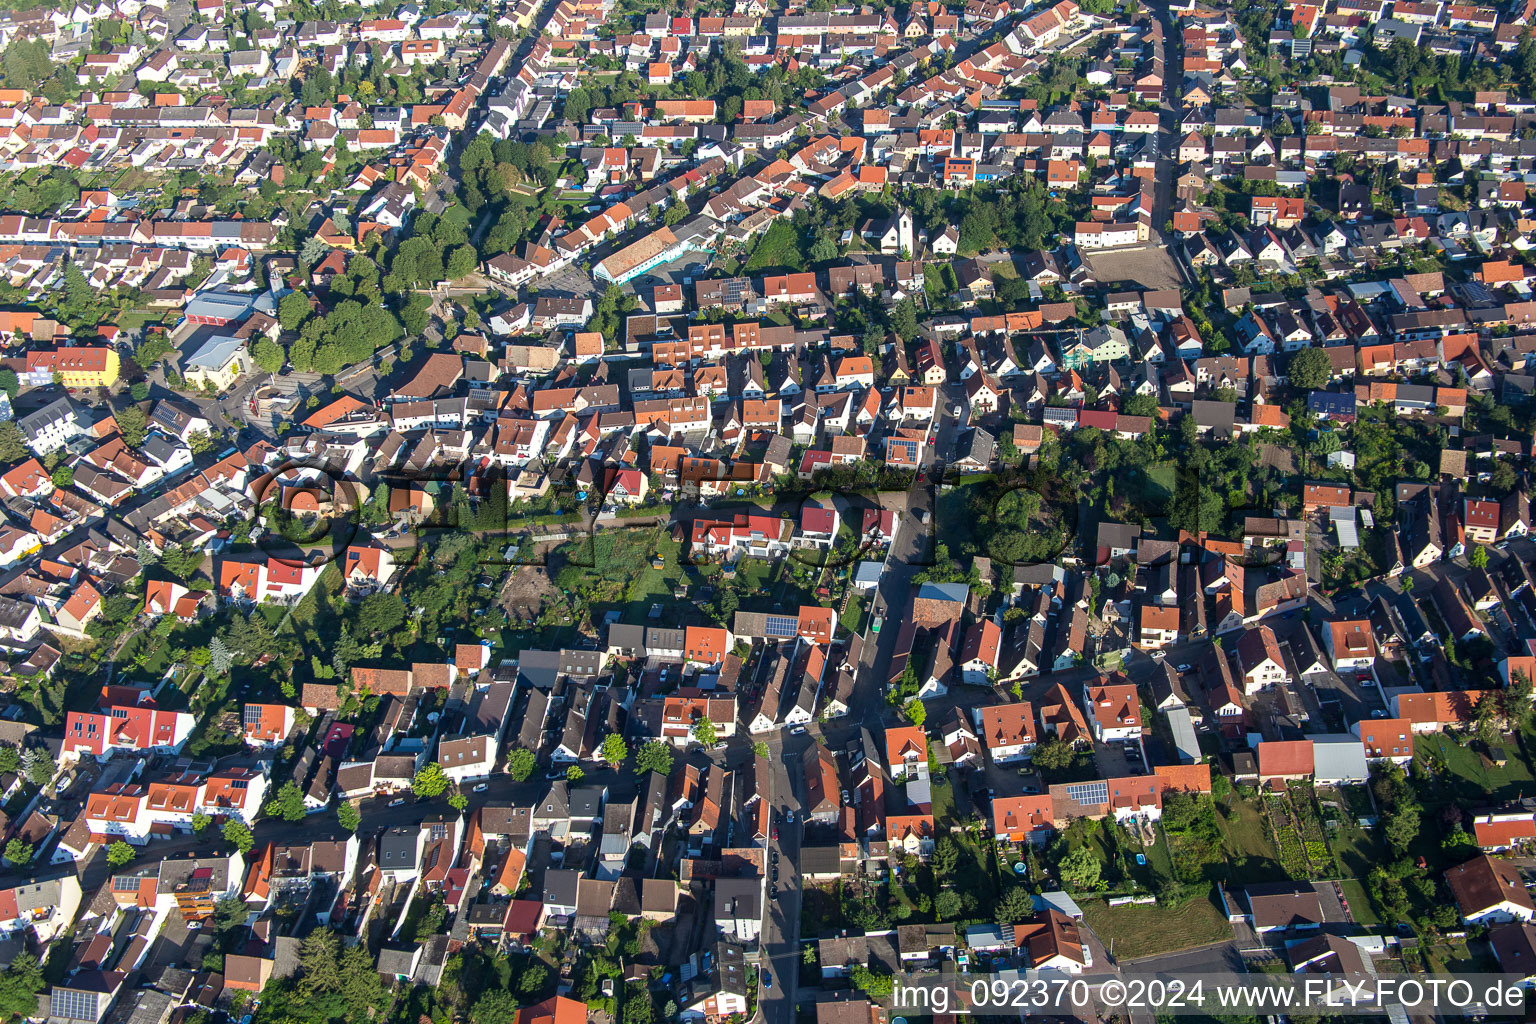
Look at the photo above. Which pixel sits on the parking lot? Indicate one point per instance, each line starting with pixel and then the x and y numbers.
pixel 571 281
pixel 1117 760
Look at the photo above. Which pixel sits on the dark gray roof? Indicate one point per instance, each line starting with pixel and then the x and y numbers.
pixel 397 847
pixel 586 802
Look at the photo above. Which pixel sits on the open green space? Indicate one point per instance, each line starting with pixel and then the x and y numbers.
pixel 1464 774
pixel 1359 904
pixel 1137 930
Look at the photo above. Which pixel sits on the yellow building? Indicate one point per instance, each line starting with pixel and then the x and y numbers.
pixel 82 367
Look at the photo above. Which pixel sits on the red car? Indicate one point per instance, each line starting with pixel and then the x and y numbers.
pixel 775 835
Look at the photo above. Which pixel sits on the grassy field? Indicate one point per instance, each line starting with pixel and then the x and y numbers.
pixel 753 579
pixel 1151 929
pixel 943 806
pixel 1151 488
pixel 778 249
pixel 975 873
pixel 130 319
pixel 855 613
pixel 953 526
pixel 1359 903
pixel 1252 856
pixel 1460 957
pixel 1469 778
pixel 1356 850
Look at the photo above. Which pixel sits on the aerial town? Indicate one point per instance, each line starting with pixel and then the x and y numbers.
pixel 710 511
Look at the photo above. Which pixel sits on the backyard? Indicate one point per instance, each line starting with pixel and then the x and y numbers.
pixel 1251 852
pixel 1464 775
pixel 1137 930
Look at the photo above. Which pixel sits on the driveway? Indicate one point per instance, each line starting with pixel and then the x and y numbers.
pixel 1111 761
pixel 1220 956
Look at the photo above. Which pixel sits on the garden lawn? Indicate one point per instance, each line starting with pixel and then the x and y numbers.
pixel 131 319
pixel 1133 930
pixel 1359 903
pixel 1472 780
pixel 1252 856
pixel 855 612
pixel 1354 849
pixel 458 214
pixel 754 577
pixel 778 249
pixel 943 803
pixel 975 873
pixel 953 514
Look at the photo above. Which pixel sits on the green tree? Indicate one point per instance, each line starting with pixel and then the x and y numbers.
pixel 915 712
pixel 269 356
pixel 1402 826
pixel 521 763
pixel 132 424
pixel 39 766
pixel 26 63
pixel 200 822
pixel 381 613
pixel 654 756
pixel 10 760
pixel 238 835
pixel 288 804
pixel 415 314
pixel 614 750
pixel 19 985
pixel 18 851
pixel 1515 701
pixel 293 310
pixel 462 262
pixel 13 445
pixel 77 305
pixel 9 383
pixel 704 731
pixel 1079 869
pixel 533 980
pixel 1486 716
pixel 430 781
pixel 1309 369
pixel 229 913
pixel 119 854
pixel 637 1007
pixel 319 972
pixel 760 749
pixel 946 855
pixel 494 1007
pixel 904 319
pixel 1477 558
pixel 1458 842
pixel 878 986
pixel 574 773
pixel 1054 755
pixel 348 816
pixel 1015 905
